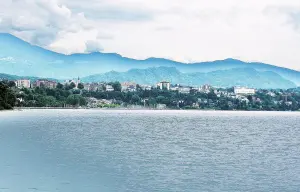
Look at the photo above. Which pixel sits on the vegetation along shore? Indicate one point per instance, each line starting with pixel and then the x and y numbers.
pixel 111 95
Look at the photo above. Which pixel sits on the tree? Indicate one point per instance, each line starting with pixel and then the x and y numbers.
pixel 135 99
pixel 59 86
pixel 72 85
pixel 160 99
pixel 7 97
pixel 11 84
pixel 117 86
pixel 76 100
pixel 152 102
pixel 80 86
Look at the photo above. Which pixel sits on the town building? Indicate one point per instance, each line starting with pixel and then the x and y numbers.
pixel 174 88
pixel 87 86
pixel 164 85
pixel 128 87
pixel 75 81
pixel 44 83
pixel 244 91
pixel 22 83
pixel 206 88
pixel 109 88
pixel 184 90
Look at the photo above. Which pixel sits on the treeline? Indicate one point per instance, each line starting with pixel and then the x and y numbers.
pixel 7 95
pixel 61 96
pixel 68 96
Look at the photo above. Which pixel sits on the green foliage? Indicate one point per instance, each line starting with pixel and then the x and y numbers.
pixel 59 86
pixel 11 84
pixel 116 85
pixel 72 85
pixel 135 99
pixel 76 100
pixel 283 100
pixel 7 96
pixel 80 86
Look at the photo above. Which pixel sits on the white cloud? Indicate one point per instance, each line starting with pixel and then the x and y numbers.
pixel 191 30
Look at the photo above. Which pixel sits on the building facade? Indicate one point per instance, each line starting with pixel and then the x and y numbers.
pixel 244 91
pixel 164 85
pixel 45 83
pixel 109 88
pixel 22 83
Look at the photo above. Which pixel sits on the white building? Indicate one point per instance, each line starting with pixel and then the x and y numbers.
pixel 164 85
pixel 146 87
pixel 174 88
pixel 23 83
pixel 109 88
pixel 244 91
pixel 184 90
pixel 206 88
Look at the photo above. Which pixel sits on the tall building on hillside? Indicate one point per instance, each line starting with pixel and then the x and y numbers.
pixel 22 83
pixel 164 85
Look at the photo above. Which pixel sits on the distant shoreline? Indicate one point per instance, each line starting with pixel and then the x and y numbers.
pixel 134 109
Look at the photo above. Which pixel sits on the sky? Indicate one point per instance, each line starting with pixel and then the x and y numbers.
pixel 182 30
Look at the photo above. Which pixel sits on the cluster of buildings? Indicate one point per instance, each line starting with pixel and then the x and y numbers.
pixel 166 85
pixel 26 83
pixel 132 87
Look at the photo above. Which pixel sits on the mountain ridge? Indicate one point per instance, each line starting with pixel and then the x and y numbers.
pixel 222 78
pixel 23 59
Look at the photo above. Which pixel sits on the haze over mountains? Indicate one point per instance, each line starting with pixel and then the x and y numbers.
pixel 18 57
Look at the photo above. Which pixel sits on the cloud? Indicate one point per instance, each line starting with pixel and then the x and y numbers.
pixel 164 28
pixel 200 30
pixel 93 46
pixel 286 15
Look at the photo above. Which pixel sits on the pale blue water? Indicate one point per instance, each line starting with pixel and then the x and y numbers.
pixel 145 151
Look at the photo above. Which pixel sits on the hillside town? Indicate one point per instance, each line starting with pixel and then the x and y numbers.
pixel 164 95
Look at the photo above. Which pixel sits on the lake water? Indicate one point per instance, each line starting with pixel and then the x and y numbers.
pixel 148 151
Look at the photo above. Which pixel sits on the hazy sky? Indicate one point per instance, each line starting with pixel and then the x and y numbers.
pixel 182 30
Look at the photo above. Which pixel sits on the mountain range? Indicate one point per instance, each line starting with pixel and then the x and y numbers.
pixel 222 78
pixel 18 57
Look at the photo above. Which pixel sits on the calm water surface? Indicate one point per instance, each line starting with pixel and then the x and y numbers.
pixel 145 151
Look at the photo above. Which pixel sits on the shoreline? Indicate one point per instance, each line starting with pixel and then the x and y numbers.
pixel 137 109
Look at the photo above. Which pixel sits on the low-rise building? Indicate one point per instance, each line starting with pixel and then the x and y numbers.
pixel 146 87
pixel 93 86
pixel 45 83
pixel 174 88
pixel 109 88
pixel 184 90
pixel 128 87
pixel 244 91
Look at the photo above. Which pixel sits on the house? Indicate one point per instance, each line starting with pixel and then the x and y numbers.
pixel 128 86
pixel 109 88
pixel 146 87
pixel 22 83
